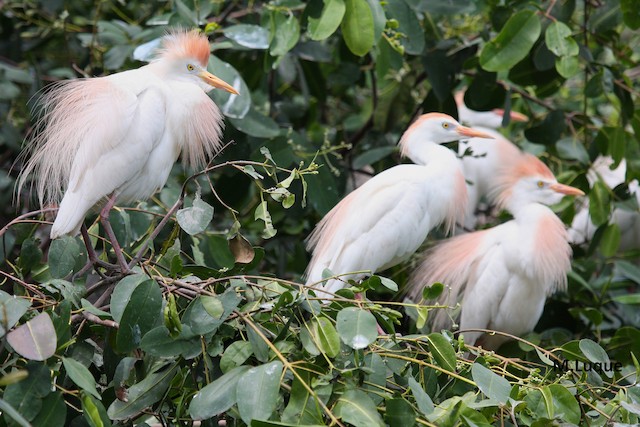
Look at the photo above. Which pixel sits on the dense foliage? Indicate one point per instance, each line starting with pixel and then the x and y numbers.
pixel 214 325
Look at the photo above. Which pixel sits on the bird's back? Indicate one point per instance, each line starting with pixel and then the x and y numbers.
pixel 501 275
pixel 384 221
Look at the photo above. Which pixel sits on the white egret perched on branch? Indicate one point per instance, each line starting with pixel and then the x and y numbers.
pixel 503 275
pixel 115 138
pixel 385 220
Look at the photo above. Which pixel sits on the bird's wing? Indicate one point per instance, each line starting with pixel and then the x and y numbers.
pixel 457 263
pixel 88 124
pixel 382 221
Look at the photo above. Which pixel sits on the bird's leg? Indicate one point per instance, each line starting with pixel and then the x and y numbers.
pixel 91 253
pixel 104 220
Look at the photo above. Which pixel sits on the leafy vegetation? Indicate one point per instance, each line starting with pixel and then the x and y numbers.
pixel 214 325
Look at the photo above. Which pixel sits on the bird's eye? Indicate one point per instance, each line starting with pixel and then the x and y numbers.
pixel 540 184
pixel 190 67
pixel 445 125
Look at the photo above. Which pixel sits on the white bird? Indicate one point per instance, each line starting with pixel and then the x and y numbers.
pixel 116 138
pixel 385 220
pixel 503 275
pixel 485 157
pixel 582 227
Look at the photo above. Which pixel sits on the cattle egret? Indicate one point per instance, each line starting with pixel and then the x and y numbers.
pixel 385 220
pixel 582 227
pixel 504 274
pixel 116 138
pixel 486 155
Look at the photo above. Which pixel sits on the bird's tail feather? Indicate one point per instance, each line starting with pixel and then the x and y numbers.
pixel 71 213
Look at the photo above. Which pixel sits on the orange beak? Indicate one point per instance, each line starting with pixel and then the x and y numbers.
pixel 217 82
pixel 566 189
pixel 514 115
pixel 470 132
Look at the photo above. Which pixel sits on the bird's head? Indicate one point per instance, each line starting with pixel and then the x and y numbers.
pixel 491 118
pixel 529 180
pixel 436 128
pixel 185 54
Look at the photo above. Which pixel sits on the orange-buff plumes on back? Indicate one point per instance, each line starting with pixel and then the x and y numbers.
pixel 118 136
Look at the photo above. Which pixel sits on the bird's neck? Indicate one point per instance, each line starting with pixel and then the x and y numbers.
pixel 547 237
pixel 425 152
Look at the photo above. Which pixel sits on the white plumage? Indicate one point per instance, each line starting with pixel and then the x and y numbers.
pixel 386 219
pixel 119 136
pixel 582 227
pixel 486 155
pixel 503 275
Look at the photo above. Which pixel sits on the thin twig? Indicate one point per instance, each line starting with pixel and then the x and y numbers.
pixel 104 322
pixel 25 216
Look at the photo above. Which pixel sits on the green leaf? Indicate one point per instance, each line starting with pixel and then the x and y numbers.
pixel 559 40
pixel 25 396
pixel 432 292
pixel 628 270
pixel 94 412
pixel 258 391
pixel 70 291
pixel 325 336
pixel 442 351
pixel 610 240
pixel 158 342
pixel 627 299
pixel 424 402
pixel 357 26
pixel 30 254
pixel 399 412
pixel 513 43
pixel 599 203
pixel 371 156
pixel 357 328
pixel 196 218
pixel 413 36
pixel 256 124
pixel 630 13
pixel 389 284
pixel 235 355
pixel 233 106
pixel 142 313
pixel 491 384
pixel 564 403
pixel 595 353
pixel 321 27
pixel 217 397
pixel 249 36
pixel 356 407
pixel 81 376
pixel 36 339
pixel 303 408
pixel 53 412
pixel 258 345
pixel 379 19
pixel 143 394
pixel 262 213
pixel 11 414
pixel 122 294
pixel 571 149
pixel 63 254
pixel 286 35
pixel 12 309
pixel 197 317
pixel 567 66
pixel 171 317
